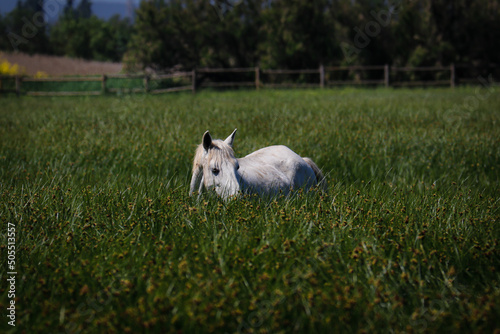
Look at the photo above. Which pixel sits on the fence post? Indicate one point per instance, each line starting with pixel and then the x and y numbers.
pixel 452 75
pixel 193 80
pixel 257 77
pixel 386 75
pixel 103 84
pixel 321 76
pixel 18 84
pixel 146 83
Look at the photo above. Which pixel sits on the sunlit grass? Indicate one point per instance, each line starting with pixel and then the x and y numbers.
pixel 109 241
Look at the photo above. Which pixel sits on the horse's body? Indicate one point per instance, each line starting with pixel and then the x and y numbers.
pixel 269 170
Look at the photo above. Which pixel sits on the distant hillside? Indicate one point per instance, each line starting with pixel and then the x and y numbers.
pixel 54 66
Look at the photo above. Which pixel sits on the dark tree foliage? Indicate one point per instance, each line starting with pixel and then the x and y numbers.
pixel 84 9
pixel 188 33
pixel 24 28
pixel 297 34
pixel 77 33
pixel 304 34
pixel 80 34
pixel 184 34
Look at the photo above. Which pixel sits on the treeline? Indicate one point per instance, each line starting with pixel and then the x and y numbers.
pixel 184 34
pixel 76 33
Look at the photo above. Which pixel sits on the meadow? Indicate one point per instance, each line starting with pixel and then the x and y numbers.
pixel 108 240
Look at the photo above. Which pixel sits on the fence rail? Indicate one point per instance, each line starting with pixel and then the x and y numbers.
pixel 321 77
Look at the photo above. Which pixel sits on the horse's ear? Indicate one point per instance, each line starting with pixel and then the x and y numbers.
pixel 207 140
pixel 229 140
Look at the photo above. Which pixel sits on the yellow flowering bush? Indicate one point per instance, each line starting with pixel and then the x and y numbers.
pixel 40 74
pixel 7 68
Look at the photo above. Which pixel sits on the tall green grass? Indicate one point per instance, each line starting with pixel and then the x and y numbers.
pixel 406 240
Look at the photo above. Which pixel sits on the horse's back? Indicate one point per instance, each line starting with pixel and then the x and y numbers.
pixel 277 164
pixel 279 156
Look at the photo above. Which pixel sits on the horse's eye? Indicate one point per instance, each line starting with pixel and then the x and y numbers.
pixel 238 167
pixel 215 170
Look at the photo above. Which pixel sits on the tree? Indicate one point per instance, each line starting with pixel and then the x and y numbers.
pixel 4 40
pixel 25 27
pixel 84 9
pixel 68 9
pixel 235 35
pixel 297 34
pixel 90 38
pixel 108 39
pixel 196 33
pixel 170 34
pixel 121 31
pixel 186 34
pixel 34 5
pixel 70 36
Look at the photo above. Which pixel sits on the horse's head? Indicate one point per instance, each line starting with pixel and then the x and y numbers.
pixel 215 167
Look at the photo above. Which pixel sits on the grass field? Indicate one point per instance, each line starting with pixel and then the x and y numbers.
pixel 108 240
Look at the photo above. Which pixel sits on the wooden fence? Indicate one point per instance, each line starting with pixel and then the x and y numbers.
pixel 324 76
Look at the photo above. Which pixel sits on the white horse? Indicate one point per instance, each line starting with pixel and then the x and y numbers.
pixel 270 170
